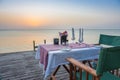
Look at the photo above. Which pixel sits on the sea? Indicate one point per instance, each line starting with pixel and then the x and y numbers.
pixel 22 40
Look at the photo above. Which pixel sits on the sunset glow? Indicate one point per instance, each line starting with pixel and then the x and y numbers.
pixel 64 13
pixel 33 22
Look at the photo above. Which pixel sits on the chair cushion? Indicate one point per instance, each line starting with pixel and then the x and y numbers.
pixel 109 76
pixel 108 60
pixel 105 76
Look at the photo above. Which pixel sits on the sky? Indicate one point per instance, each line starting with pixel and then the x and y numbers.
pixel 59 14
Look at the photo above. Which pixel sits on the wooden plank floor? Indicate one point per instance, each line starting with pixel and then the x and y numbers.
pixel 24 66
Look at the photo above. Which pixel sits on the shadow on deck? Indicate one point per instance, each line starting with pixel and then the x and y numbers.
pixel 24 66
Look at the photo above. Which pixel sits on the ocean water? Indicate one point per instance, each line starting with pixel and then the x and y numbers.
pixel 22 40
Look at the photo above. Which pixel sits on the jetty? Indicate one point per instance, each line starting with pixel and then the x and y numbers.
pixel 24 66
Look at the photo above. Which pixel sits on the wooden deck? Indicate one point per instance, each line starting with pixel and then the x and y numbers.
pixel 24 66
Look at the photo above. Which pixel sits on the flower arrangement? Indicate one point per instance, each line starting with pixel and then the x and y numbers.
pixel 63 37
pixel 63 34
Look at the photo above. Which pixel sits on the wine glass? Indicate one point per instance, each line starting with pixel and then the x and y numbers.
pixel 80 40
pixel 80 36
pixel 73 40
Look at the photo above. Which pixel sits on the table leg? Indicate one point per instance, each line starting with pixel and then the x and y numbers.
pixel 66 68
pixel 54 73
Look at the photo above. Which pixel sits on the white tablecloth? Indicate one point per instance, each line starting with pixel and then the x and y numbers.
pixel 58 57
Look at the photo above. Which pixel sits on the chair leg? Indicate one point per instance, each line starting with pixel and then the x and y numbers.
pixel 80 70
pixel 75 69
pixel 93 77
pixel 97 78
pixel 71 73
pixel 87 75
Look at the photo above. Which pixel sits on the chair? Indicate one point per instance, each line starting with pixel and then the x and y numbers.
pixel 109 40
pixel 107 67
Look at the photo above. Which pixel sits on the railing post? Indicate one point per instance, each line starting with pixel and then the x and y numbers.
pixel 34 45
pixel 44 41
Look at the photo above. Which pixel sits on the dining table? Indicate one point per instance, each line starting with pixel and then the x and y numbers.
pixel 51 57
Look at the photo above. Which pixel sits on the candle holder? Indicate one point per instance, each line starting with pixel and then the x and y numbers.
pixel 73 40
pixel 56 41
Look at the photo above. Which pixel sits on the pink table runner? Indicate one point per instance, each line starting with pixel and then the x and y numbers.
pixel 44 49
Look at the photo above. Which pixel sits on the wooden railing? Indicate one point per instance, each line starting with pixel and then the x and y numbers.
pixel 36 46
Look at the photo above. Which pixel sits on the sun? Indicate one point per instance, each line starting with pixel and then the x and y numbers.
pixel 34 22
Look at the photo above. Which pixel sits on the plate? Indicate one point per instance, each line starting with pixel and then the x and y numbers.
pixel 66 49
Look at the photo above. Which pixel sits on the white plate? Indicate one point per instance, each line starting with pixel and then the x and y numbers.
pixel 66 49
